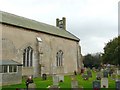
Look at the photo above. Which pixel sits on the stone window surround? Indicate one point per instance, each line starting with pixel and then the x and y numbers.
pixel 59 58
pixel 28 57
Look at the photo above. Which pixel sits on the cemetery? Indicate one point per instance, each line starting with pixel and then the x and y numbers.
pixel 73 81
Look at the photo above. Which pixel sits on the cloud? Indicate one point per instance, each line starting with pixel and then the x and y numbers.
pixel 94 21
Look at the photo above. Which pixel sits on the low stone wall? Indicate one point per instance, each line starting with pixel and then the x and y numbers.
pixel 11 78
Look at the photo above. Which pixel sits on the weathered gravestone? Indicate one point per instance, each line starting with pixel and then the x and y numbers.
pixel 89 73
pixel 96 85
pixel 114 76
pixel 118 71
pixel 44 76
pixel 61 78
pixel 104 83
pixel 105 74
pixel 55 80
pixel 85 77
pixel 54 87
pixel 32 85
pixel 117 85
pixel 99 76
pixel 74 82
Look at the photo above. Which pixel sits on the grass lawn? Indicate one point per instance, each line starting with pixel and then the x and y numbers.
pixel 66 84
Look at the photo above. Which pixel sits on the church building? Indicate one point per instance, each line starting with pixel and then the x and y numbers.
pixel 33 48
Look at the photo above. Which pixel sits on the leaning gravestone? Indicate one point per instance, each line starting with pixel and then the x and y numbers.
pixel 96 85
pixel 55 80
pixel 117 85
pixel 104 83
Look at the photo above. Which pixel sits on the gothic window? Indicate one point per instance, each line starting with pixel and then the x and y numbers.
pixel 28 57
pixel 59 58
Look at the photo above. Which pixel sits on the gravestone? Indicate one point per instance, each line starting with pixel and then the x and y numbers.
pixel 110 72
pixel 114 76
pixel 99 76
pixel 61 78
pixel 55 80
pixel 74 84
pixel 85 77
pixel 117 85
pixel 75 73
pixel 73 77
pixel 105 74
pixel 118 71
pixel 96 85
pixel 32 85
pixel 54 87
pixel 44 76
pixel 104 83
pixel 89 73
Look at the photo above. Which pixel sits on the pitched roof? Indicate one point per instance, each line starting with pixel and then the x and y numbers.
pixel 19 21
pixel 9 62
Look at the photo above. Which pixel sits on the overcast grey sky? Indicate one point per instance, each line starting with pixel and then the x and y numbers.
pixel 95 22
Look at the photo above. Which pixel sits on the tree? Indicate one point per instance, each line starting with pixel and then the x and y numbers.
pixel 91 61
pixel 111 53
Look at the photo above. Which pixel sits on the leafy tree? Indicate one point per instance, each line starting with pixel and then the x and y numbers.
pixel 111 53
pixel 91 61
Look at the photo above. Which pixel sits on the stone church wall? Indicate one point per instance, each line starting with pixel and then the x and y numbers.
pixel 15 40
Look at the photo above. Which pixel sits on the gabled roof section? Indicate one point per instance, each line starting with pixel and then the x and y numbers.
pixel 19 21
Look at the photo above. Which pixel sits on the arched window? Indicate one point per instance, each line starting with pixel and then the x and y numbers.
pixel 28 57
pixel 59 58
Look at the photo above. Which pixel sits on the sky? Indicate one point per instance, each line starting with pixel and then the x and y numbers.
pixel 95 22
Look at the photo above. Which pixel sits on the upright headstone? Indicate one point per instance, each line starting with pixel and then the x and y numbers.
pixel 44 76
pixel 55 80
pixel 54 87
pixel 104 83
pixel 96 85
pixel 89 73
pixel 114 76
pixel 99 76
pixel 32 85
pixel 85 76
pixel 61 78
pixel 118 72
pixel 117 85
pixel 105 74
pixel 74 82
